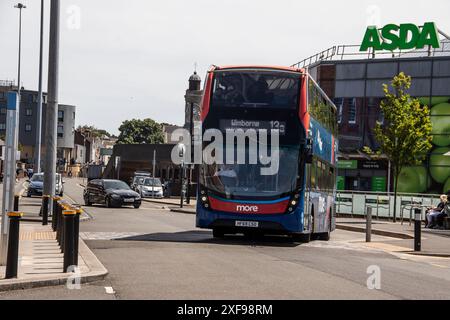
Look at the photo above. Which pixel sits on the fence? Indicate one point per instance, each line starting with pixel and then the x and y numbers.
pixel 354 203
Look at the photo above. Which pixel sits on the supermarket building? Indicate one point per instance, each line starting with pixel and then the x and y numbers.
pixel 354 79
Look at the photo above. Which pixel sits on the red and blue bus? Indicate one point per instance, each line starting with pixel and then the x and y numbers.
pixel 298 200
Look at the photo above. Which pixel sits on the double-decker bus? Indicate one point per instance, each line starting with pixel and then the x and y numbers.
pixel 297 200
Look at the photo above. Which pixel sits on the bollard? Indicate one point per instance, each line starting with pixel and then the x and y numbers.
pixel 417 229
pixel 76 236
pixel 55 212
pixel 16 203
pixel 69 219
pixel 12 259
pixel 369 224
pixel 61 221
pixel 45 204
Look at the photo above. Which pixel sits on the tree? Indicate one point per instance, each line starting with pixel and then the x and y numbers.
pixel 94 132
pixel 406 137
pixel 146 131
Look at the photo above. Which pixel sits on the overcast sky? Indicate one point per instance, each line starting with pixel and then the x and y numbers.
pixel 132 59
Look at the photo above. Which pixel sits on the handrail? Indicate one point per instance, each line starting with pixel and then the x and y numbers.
pixel 352 51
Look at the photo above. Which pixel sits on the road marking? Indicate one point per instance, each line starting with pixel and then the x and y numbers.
pixel 79 185
pixel 386 247
pixel 439 266
pixel 109 290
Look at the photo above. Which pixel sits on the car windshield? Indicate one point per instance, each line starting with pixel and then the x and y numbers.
pixel 246 180
pixel 267 89
pixel 40 178
pixel 37 178
pixel 116 185
pixel 150 182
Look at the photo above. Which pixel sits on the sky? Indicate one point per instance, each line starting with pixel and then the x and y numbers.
pixel 130 59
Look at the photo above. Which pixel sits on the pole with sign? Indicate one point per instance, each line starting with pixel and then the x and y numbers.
pixel 9 180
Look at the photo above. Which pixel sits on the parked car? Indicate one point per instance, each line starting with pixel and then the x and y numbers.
pixel 151 187
pixel 112 193
pixel 36 184
pixel 138 179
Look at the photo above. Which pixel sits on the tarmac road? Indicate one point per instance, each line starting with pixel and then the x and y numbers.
pixel 152 253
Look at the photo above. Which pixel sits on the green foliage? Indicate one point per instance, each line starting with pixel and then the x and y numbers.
pixel 406 136
pixel 94 132
pixel 136 131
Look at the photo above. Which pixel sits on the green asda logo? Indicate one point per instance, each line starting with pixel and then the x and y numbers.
pixel 405 36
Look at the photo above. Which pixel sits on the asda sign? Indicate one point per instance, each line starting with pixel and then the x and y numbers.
pixel 405 36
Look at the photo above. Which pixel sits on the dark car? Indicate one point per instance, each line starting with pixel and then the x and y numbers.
pixel 112 193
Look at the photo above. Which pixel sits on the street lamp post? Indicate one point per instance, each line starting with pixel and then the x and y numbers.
pixel 37 153
pixel 52 102
pixel 19 6
pixel 12 137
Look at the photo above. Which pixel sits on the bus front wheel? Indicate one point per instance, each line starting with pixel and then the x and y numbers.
pixel 303 238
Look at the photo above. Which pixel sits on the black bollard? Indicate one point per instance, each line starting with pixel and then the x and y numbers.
pixel 417 229
pixel 55 212
pixel 12 259
pixel 76 236
pixel 69 219
pixel 45 203
pixel 16 203
pixel 60 227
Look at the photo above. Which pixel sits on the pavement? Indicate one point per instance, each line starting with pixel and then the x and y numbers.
pixel 40 257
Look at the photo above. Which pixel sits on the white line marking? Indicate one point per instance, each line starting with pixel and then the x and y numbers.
pixel 109 290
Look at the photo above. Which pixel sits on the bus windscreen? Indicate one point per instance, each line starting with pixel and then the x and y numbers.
pixel 257 89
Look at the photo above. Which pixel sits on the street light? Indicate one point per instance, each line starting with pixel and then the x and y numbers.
pixel 37 154
pixel 19 6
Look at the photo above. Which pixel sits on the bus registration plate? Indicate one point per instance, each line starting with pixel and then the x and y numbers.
pixel 247 224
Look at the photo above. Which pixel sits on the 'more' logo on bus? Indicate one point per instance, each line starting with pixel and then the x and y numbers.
pixel 405 37
pixel 251 209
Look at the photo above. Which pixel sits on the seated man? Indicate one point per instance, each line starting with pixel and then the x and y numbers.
pixel 434 213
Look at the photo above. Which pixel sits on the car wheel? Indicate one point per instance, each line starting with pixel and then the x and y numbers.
pixel 29 195
pixel 137 206
pixel 87 202
pixel 108 203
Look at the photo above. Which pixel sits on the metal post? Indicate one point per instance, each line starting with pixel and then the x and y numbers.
pixel 16 203
pixel 45 202
pixel 418 229
pixel 181 184
pixel 52 103
pixel 9 180
pixel 69 219
pixel 191 134
pixel 37 152
pixel 153 173
pixel 55 214
pixel 369 224
pixel 13 245
pixel 79 211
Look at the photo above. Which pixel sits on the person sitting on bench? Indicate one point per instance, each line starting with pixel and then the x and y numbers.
pixel 434 213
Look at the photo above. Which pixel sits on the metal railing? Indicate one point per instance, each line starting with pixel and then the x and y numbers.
pixel 354 203
pixel 349 52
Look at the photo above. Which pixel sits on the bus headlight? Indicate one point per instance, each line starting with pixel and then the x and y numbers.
pixel 293 203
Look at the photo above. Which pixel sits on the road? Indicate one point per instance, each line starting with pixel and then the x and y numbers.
pixel 152 253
